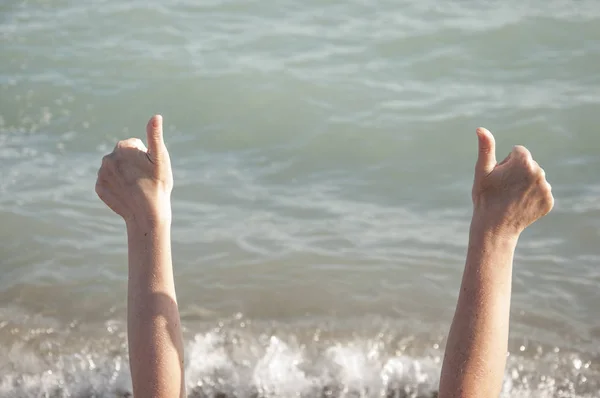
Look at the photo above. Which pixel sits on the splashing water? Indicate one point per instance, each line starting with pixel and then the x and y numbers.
pixel 234 361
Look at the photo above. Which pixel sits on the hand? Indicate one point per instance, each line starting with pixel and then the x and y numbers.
pixel 511 195
pixel 136 182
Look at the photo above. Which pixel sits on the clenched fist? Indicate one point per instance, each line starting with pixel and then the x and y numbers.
pixel 510 195
pixel 135 181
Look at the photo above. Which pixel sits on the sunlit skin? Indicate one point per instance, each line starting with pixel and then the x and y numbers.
pixel 507 198
pixel 136 183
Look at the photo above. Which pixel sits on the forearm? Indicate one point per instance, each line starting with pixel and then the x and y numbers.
pixel 153 324
pixel 477 343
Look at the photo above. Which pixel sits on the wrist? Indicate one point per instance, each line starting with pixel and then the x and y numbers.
pixel 486 229
pixel 149 246
pixel 145 221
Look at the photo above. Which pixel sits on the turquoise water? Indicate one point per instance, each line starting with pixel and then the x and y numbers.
pixel 323 156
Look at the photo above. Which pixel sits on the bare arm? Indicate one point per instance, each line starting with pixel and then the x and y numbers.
pixel 477 343
pixel 507 198
pixel 153 326
pixel 136 183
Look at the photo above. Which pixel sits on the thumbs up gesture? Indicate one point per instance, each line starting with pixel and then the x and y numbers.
pixel 510 195
pixel 135 181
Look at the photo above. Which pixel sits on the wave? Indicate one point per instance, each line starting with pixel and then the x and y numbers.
pixel 228 363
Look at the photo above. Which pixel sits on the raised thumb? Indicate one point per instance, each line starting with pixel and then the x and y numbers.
pixel 154 133
pixel 486 160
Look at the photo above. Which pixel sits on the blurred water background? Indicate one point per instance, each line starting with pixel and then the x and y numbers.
pixel 323 156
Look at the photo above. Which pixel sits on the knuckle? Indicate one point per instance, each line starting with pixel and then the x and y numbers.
pixel 544 187
pixel 549 203
pixel 124 144
pixel 131 143
pixel 521 151
pixel 547 199
pixel 99 188
pixel 108 164
pixel 523 155
pixel 538 173
pixel 542 172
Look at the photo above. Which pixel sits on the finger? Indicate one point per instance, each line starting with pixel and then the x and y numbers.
pixel 131 143
pixel 107 197
pixel 523 157
pixel 550 204
pixel 139 144
pixel 547 203
pixel 107 166
pixel 106 182
pixel 154 132
pixel 101 188
pixel 520 152
pixel 486 160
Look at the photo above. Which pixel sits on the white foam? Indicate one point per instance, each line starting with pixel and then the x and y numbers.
pixel 237 363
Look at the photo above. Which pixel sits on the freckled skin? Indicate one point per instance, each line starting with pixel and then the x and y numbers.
pixel 507 198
